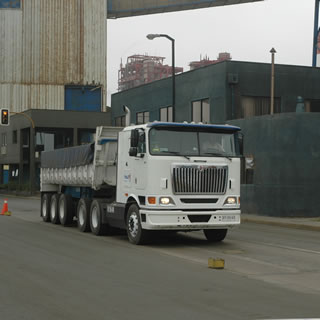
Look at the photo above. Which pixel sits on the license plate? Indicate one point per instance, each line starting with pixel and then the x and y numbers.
pixel 229 218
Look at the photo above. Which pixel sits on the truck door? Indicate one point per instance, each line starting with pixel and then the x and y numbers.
pixel 139 162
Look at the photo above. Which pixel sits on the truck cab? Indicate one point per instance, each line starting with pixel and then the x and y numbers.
pixel 179 176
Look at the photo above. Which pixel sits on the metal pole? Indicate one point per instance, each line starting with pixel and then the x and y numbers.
pixel 315 33
pixel 272 51
pixel 173 83
pixel 151 36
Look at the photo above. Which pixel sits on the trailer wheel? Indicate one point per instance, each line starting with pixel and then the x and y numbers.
pixel 54 209
pixel 96 225
pixel 83 214
pixel 65 209
pixel 136 234
pixel 215 235
pixel 45 206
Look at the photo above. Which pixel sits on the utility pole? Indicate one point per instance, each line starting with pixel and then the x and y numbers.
pixel 272 51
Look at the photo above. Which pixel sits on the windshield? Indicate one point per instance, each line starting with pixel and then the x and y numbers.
pixel 192 143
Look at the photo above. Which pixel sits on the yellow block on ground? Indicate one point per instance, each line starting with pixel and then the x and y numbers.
pixel 216 263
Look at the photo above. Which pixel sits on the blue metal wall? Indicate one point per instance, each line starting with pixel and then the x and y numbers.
pixel 11 4
pixel 83 98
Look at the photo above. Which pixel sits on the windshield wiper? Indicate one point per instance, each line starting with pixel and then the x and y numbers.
pixel 218 154
pixel 176 153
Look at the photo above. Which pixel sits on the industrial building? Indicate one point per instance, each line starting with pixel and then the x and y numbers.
pixel 282 149
pixel 141 69
pixel 52 80
pixel 205 61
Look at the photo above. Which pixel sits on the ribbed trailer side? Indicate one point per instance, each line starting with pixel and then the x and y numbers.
pixel 92 165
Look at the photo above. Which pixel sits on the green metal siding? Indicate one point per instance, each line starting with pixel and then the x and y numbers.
pixel 190 86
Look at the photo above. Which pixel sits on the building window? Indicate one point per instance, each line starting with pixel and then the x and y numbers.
pixel 166 114
pixel 10 4
pixel 120 121
pixel 201 111
pixel 142 117
pixel 14 137
pixel 258 106
pixel 4 139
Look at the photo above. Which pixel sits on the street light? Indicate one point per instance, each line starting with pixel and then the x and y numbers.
pixel 151 37
pixel 272 51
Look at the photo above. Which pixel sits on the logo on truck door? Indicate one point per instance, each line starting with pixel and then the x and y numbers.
pixel 127 178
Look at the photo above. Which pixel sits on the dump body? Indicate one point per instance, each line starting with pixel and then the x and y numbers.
pixel 89 165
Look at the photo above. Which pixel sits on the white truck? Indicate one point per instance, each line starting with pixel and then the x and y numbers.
pixel 155 176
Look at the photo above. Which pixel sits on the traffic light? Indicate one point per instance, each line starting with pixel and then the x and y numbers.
pixel 4 117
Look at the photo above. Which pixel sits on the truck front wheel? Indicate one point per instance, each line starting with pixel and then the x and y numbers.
pixel 136 234
pixel 54 208
pixel 215 235
pixel 83 214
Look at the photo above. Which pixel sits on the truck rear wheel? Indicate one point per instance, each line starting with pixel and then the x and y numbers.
pixel 215 235
pixel 83 214
pixel 54 209
pixel 96 225
pixel 65 209
pixel 136 234
pixel 45 206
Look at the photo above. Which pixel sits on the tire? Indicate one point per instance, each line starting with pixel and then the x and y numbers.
pixel 54 209
pixel 45 206
pixel 96 225
pixel 215 235
pixel 83 215
pixel 136 234
pixel 65 209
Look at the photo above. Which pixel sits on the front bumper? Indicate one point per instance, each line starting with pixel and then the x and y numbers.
pixel 189 220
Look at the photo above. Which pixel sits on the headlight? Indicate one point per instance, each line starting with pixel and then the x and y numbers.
pixel 231 200
pixel 166 201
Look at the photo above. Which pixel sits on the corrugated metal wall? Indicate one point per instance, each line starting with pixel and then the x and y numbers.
pixel 48 44
pixel 21 97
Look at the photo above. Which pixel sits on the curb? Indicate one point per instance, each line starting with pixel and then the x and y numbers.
pixel 291 225
pixel 34 197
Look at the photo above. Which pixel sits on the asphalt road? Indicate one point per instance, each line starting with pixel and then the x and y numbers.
pixel 54 272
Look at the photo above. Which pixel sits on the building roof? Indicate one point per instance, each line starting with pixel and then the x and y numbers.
pixel 127 8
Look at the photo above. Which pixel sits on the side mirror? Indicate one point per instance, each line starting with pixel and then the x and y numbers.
pixel 134 139
pixel 133 151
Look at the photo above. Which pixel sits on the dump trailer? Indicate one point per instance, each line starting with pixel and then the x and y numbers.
pixel 154 176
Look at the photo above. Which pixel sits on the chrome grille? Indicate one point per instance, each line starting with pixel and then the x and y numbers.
pixel 199 179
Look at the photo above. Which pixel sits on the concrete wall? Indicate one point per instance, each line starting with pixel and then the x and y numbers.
pixel 286 152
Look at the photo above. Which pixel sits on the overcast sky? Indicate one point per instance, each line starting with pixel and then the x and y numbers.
pixel 247 31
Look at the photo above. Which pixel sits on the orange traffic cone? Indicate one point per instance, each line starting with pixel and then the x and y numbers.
pixel 5 211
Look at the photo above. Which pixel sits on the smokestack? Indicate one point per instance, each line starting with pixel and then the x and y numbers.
pixel 128 115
